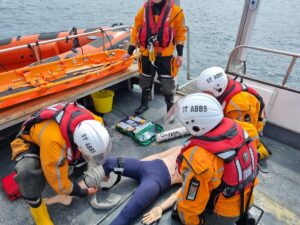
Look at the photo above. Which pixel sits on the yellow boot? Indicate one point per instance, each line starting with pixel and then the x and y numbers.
pixel 40 215
pixel 263 151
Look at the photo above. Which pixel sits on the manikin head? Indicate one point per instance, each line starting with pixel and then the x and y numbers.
pixel 93 141
pixel 213 81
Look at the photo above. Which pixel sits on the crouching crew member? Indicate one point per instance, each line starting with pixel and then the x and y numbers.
pixel 48 143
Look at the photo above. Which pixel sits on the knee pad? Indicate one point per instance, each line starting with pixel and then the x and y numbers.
pixel 145 82
pixel 167 86
pixel 30 177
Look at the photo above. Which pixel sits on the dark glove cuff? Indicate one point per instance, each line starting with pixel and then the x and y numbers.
pixel 130 50
pixel 78 191
pixel 179 49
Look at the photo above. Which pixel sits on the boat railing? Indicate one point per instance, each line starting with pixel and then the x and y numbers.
pixel 188 49
pixel 35 45
pixel 234 68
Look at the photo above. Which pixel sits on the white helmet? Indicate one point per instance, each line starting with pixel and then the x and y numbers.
pixel 213 80
pixel 93 141
pixel 199 113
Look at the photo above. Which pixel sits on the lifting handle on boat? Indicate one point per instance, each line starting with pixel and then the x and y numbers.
pixel 103 41
pixel 38 56
pixel 76 43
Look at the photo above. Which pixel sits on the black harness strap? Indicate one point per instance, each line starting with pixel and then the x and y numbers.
pixel 161 29
pixel 148 34
pixel 76 43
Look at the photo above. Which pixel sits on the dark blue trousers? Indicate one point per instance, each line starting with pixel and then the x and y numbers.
pixel 153 177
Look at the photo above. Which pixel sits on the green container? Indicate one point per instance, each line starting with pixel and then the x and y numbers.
pixel 140 130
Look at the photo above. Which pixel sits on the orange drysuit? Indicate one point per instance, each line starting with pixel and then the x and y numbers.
pixel 245 107
pixel 207 169
pixel 53 154
pixel 177 22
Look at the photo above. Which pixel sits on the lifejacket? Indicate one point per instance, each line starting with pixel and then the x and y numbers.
pixel 67 116
pixel 161 34
pixel 231 143
pixel 234 88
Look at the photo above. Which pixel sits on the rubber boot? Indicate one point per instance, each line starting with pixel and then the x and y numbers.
pixel 40 215
pixel 169 99
pixel 264 154
pixel 144 102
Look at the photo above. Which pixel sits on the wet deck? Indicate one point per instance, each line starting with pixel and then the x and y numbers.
pixel 278 193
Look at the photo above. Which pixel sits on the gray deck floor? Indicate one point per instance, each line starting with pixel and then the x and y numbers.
pixel 278 192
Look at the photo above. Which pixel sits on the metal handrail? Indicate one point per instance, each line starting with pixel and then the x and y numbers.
pixel 38 43
pixel 230 63
pixel 188 72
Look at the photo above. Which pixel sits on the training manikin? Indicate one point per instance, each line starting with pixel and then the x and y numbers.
pixel 155 173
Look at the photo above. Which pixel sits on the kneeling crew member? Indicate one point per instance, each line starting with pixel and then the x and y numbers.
pixel 239 101
pixel 218 165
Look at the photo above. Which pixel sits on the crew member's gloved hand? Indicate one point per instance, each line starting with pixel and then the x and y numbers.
pixel 152 216
pixel 130 51
pixel 90 190
pixel 81 190
pixel 175 214
pixel 179 60
pixel 126 56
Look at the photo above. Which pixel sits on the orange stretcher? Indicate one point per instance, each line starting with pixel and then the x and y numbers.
pixel 55 51
pixel 28 83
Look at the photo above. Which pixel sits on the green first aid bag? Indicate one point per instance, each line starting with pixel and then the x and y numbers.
pixel 139 129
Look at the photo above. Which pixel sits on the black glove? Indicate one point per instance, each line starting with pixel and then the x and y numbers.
pixel 130 50
pixel 175 214
pixel 78 191
pixel 179 49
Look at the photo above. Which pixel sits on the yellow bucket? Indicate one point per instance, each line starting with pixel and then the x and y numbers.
pixel 103 100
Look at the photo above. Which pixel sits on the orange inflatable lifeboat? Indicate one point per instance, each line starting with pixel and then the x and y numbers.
pixel 113 39
pixel 27 83
pixel 56 50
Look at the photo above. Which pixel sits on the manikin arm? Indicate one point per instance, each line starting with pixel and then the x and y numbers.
pixel 155 214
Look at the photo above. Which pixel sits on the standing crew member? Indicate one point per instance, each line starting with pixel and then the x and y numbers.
pixel 159 28
pixel 218 165
pixel 48 143
pixel 239 101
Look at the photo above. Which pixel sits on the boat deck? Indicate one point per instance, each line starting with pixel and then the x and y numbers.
pixel 278 192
